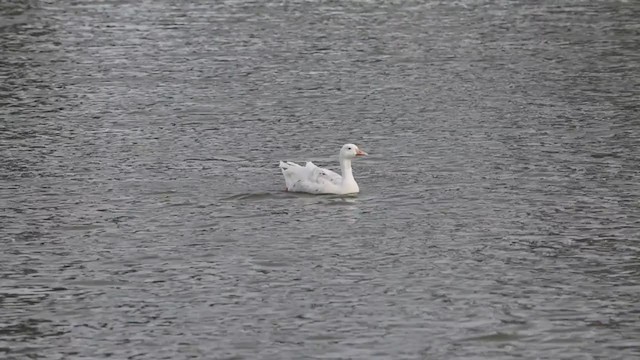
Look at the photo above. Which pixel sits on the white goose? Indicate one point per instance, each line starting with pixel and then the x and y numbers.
pixel 315 180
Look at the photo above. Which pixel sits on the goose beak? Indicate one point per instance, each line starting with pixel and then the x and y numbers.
pixel 360 153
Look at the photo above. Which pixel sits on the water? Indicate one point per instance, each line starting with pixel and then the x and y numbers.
pixel 143 215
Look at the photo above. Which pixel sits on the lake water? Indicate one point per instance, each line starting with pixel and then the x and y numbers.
pixel 142 211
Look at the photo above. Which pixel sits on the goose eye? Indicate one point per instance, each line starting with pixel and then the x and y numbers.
pixel 348 148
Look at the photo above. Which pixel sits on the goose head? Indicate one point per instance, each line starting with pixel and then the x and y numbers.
pixel 350 151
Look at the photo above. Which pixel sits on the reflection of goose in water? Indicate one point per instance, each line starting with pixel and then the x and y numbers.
pixel 316 180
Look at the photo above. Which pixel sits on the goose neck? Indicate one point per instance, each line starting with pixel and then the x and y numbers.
pixel 345 167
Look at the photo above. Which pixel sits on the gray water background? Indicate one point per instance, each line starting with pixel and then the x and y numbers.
pixel 143 217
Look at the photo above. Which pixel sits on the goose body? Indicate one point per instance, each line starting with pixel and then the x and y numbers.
pixel 316 180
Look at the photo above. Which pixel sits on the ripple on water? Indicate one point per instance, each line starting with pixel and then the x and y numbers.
pixel 142 212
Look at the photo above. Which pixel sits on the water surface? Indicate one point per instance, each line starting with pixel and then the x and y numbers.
pixel 142 212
